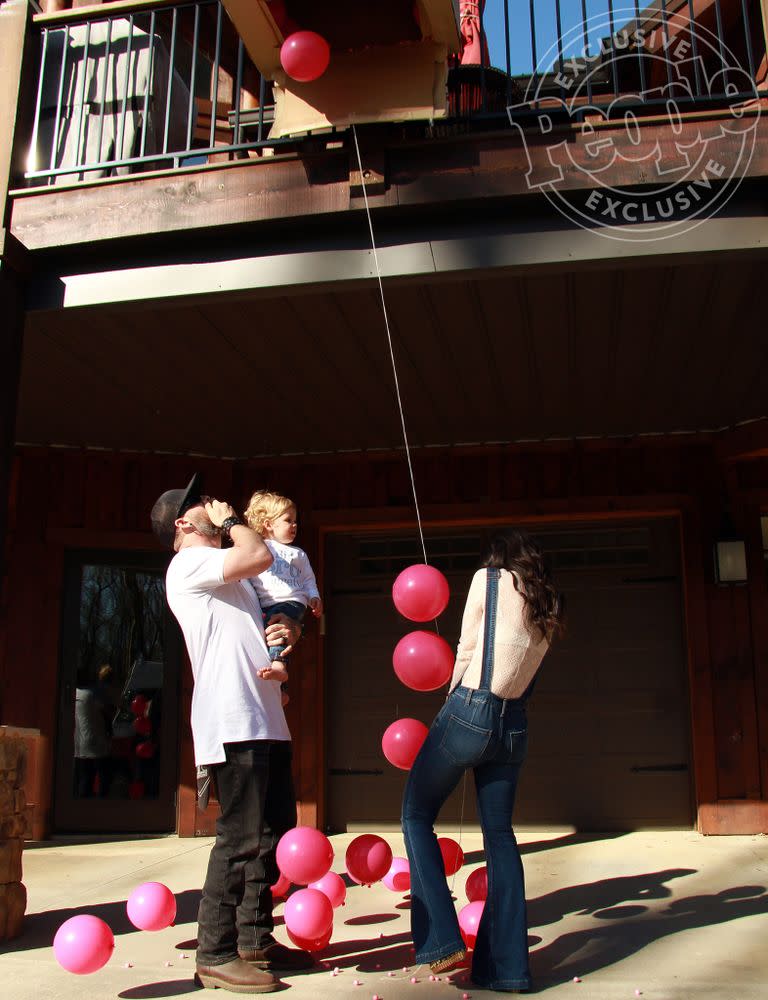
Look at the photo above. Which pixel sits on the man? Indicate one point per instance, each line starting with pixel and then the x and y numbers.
pixel 239 732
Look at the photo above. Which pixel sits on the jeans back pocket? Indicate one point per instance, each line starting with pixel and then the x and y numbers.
pixel 464 743
pixel 516 745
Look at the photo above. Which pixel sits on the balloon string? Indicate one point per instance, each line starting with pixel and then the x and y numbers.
pixel 398 395
pixel 391 348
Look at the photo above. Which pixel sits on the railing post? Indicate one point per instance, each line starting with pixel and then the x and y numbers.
pixel 764 12
pixel 15 18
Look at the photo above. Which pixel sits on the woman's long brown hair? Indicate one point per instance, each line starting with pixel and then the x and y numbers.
pixel 516 551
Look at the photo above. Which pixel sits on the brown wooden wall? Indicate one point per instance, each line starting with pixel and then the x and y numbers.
pixel 72 499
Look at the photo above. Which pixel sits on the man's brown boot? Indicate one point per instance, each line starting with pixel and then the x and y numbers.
pixel 236 976
pixel 275 956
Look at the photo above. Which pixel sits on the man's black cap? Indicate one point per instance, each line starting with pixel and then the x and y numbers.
pixel 171 505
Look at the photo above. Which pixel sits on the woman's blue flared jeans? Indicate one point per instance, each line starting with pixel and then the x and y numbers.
pixel 478 730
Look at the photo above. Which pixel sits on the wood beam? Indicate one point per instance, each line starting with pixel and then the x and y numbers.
pixel 433 172
pixel 492 250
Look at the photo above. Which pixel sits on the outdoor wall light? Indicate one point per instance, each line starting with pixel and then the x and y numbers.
pixel 730 561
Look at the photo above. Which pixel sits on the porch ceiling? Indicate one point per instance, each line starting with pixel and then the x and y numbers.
pixel 595 353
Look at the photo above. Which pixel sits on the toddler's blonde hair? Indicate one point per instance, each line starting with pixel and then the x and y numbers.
pixel 265 506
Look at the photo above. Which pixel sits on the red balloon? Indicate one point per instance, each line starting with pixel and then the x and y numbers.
pixel 469 921
pixel 139 704
pixel 304 854
pixel 281 887
pixel 423 661
pixel 311 944
pixel 136 790
pixel 305 55
pixel 142 725
pixel 477 885
pixel 368 858
pixel 402 741
pixel 420 593
pixel 145 750
pixel 453 856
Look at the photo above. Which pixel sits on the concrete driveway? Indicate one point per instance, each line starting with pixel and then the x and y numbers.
pixel 661 915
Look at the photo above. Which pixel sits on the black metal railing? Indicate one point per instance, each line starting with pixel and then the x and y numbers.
pixel 173 85
pixel 152 89
pixel 575 53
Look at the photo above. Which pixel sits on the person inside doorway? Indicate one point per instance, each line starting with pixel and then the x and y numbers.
pixel 239 732
pixel 93 738
pixel 511 615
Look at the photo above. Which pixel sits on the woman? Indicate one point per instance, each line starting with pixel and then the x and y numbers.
pixel 512 613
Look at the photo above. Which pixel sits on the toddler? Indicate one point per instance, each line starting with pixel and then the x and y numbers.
pixel 289 585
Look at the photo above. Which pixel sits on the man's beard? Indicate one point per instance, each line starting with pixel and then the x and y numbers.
pixel 204 524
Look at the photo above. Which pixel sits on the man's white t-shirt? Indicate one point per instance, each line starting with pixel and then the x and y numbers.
pixel 222 626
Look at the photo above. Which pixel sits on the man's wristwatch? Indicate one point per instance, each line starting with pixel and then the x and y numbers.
pixel 228 524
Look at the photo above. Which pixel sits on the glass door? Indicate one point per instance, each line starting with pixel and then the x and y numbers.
pixel 117 760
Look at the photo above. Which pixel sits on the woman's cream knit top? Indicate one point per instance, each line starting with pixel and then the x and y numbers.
pixel 518 648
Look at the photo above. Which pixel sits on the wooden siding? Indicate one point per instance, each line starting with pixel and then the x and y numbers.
pixel 63 499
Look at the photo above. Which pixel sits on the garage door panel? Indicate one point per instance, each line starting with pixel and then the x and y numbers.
pixel 609 744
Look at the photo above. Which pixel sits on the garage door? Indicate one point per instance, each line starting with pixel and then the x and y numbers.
pixel 609 744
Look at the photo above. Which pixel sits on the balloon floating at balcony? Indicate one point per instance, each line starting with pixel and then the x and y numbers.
pixel 305 56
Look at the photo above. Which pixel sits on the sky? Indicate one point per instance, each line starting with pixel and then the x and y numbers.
pixel 545 19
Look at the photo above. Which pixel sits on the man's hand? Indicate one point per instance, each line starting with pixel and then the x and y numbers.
pixel 280 630
pixel 218 511
pixel 317 606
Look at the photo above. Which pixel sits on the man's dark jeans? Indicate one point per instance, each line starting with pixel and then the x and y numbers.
pixel 258 805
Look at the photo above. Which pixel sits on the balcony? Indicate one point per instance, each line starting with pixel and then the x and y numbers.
pixel 165 86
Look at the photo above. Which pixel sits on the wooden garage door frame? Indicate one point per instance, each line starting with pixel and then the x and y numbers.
pixel 556 521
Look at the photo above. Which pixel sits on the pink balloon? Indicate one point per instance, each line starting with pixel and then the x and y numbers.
pixel 308 914
pixel 469 921
pixel 453 856
pixel 305 55
pixel 420 593
pixel 151 907
pixel 368 858
pixel 333 886
pixel 423 661
pixel 312 944
pixel 281 887
pixel 304 854
pixel 402 741
pixel 83 944
pixel 477 885
pixel 398 878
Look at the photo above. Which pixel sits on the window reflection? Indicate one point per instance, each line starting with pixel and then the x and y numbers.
pixel 118 695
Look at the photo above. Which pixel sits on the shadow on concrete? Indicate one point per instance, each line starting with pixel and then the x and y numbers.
pixel 581 953
pixel 66 840
pixel 40 928
pixel 535 846
pixel 594 896
pixel 386 952
pixel 372 918
pixel 150 991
